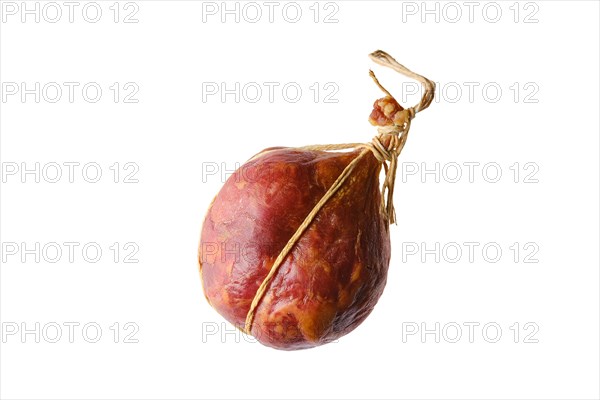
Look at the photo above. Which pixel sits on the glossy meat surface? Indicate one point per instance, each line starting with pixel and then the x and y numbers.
pixel 334 275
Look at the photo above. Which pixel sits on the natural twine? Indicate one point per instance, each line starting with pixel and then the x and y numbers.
pixel 386 153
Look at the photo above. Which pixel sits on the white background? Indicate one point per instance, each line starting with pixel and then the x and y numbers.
pixel 184 348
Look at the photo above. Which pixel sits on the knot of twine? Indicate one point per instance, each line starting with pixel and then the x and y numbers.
pixel 396 134
pixel 385 147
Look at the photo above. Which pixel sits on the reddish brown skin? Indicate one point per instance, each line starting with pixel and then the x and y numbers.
pixel 386 111
pixel 333 276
